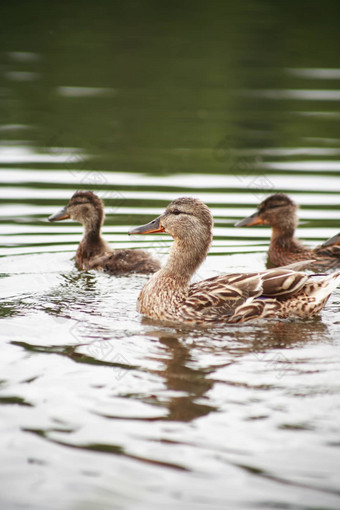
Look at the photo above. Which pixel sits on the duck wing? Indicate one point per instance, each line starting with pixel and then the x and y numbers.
pixel 244 296
pixel 329 254
pixel 120 262
pixel 221 295
pixel 298 295
pixel 277 285
pixel 282 283
pixel 299 266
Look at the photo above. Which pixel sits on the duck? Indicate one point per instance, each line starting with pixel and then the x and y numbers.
pixel 168 296
pixel 333 241
pixel 93 251
pixel 280 212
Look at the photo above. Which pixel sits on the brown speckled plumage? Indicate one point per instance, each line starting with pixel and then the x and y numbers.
pixel 280 212
pixel 93 251
pixel 168 295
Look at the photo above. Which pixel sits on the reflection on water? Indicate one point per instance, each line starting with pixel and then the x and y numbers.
pixel 143 102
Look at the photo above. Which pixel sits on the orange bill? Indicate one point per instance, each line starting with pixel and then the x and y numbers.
pixel 61 215
pixel 254 219
pixel 153 227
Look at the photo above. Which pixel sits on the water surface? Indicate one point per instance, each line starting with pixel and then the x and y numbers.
pixel 143 102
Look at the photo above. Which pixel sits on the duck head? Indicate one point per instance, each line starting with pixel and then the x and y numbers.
pixel 190 223
pixel 184 218
pixel 85 207
pixel 277 211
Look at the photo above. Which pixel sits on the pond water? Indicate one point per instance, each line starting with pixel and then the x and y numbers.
pixel 143 102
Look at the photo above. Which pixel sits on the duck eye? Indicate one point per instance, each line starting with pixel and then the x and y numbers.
pixel 176 211
pixel 275 205
pixel 78 202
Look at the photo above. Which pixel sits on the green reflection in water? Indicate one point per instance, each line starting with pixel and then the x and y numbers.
pixel 161 87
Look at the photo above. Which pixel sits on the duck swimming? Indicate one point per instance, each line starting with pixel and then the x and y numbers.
pixel 168 295
pixel 280 212
pixel 95 253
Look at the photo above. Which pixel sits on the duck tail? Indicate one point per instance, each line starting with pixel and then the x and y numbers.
pixel 320 290
pixel 335 240
pixel 316 292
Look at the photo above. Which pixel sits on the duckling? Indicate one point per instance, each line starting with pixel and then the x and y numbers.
pixel 93 251
pixel 168 295
pixel 280 212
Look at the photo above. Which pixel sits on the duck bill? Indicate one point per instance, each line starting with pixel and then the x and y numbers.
pixel 252 220
pixel 61 215
pixel 154 227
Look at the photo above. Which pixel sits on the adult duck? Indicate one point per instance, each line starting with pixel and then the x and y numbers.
pixel 93 251
pixel 168 295
pixel 280 212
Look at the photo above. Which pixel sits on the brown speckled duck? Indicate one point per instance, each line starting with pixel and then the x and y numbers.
pixel 280 212
pixel 168 295
pixel 95 253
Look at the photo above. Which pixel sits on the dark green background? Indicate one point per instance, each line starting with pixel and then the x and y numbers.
pixel 181 79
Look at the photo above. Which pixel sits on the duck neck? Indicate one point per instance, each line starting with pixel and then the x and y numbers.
pixel 92 229
pixel 284 234
pixel 185 257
